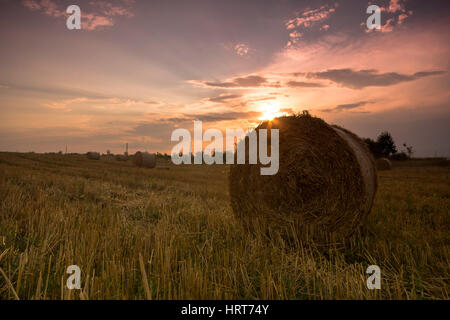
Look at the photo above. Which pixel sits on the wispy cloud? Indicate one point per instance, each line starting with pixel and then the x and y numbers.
pixel 302 84
pixel 241 49
pixel 305 20
pixel 217 116
pixel 114 9
pixel 251 81
pixel 350 78
pixel 63 98
pixel 92 21
pixel 110 101
pixel 395 6
pixel 56 91
pixel 48 7
pixel 101 14
pixel 358 79
pixel 225 97
pixel 344 107
pixel 396 13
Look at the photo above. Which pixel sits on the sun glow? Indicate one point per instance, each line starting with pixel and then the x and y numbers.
pixel 270 111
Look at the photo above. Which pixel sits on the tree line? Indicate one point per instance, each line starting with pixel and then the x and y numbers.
pixel 384 147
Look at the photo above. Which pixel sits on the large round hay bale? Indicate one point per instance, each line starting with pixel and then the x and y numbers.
pixel 324 187
pixel 144 159
pixel 93 155
pixel 121 157
pixel 384 164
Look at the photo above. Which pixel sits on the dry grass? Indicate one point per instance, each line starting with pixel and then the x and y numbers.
pixel 169 233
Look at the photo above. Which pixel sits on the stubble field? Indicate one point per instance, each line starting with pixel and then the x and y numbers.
pixel 169 233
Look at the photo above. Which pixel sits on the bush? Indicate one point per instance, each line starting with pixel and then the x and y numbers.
pixel 399 156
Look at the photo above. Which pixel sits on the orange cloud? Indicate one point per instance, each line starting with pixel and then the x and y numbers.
pixel 48 7
pixel 397 13
pixel 241 49
pixel 308 17
pixel 110 9
pixel 305 20
pixel 100 17
pixel 92 22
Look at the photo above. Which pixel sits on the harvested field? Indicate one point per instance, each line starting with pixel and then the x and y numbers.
pixel 59 210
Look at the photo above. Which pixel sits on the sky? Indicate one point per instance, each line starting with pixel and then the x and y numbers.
pixel 137 70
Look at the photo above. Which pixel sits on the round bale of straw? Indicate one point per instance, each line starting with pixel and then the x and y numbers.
pixel 384 164
pixel 93 155
pixel 324 187
pixel 144 159
pixel 121 157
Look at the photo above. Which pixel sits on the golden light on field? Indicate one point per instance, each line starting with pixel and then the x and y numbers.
pixel 270 111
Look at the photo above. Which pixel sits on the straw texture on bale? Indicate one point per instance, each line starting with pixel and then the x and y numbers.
pixel 93 155
pixel 384 164
pixel 144 159
pixel 324 187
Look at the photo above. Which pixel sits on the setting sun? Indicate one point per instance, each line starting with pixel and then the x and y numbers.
pixel 270 111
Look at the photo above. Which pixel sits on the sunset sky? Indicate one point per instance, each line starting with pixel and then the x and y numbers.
pixel 139 69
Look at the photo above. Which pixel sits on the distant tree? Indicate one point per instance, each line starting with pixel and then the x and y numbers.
pixel 386 144
pixel 373 147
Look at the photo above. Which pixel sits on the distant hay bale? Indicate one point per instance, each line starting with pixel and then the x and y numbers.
pixel 121 157
pixel 108 156
pixel 93 155
pixel 144 159
pixel 384 164
pixel 324 188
